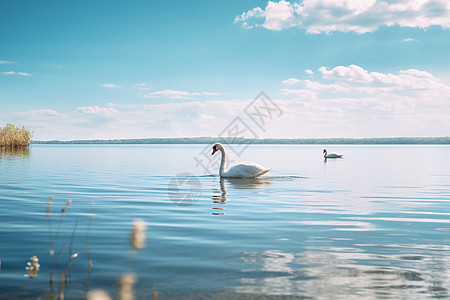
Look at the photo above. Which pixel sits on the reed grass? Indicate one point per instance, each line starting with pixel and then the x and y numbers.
pixel 15 137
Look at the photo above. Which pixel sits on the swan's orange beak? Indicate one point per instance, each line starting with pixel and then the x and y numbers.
pixel 214 151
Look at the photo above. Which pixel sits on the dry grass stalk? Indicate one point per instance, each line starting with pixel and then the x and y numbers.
pixel 49 203
pixel 98 295
pixel 15 137
pixel 63 211
pixel 138 235
pixel 32 267
pixel 126 287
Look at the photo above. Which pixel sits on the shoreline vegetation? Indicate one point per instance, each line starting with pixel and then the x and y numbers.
pixel 297 141
pixel 13 137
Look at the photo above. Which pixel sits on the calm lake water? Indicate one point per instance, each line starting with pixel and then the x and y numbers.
pixel 375 224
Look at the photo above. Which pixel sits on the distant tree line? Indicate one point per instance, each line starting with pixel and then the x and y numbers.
pixel 15 137
pixel 298 141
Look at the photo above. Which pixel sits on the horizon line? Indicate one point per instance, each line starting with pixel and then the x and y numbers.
pixel 234 140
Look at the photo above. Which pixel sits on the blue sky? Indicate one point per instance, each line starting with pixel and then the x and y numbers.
pixel 130 69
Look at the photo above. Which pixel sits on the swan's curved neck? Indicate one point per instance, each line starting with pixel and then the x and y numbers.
pixel 222 162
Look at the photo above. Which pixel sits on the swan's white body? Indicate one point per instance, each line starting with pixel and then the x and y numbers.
pixel 245 169
pixel 331 155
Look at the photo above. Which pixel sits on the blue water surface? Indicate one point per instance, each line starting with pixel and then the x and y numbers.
pixel 374 224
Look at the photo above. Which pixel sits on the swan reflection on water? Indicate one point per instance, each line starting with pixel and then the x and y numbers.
pixel 220 196
pixel 245 183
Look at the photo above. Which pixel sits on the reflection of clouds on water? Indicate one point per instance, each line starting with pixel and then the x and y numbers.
pixel 332 272
pixel 327 202
pixel 402 219
pixel 274 277
pixel 342 225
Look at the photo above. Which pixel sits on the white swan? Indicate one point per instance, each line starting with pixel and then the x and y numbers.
pixel 331 155
pixel 246 169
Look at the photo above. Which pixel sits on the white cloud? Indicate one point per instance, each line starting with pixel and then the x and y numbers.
pixel 99 111
pixel 278 15
pixel 291 81
pixel 410 40
pixel 16 73
pixel 40 113
pixel 257 12
pixel 176 94
pixel 324 16
pixel 6 62
pixel 341 101
pixel 110 85
pixel 186 118
pixel 300 93
pixel 309 72
pixel 351 73
pixel 141 86
pixel 317 86
pixel 170 94
pixel 354 102
pixel 410 79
